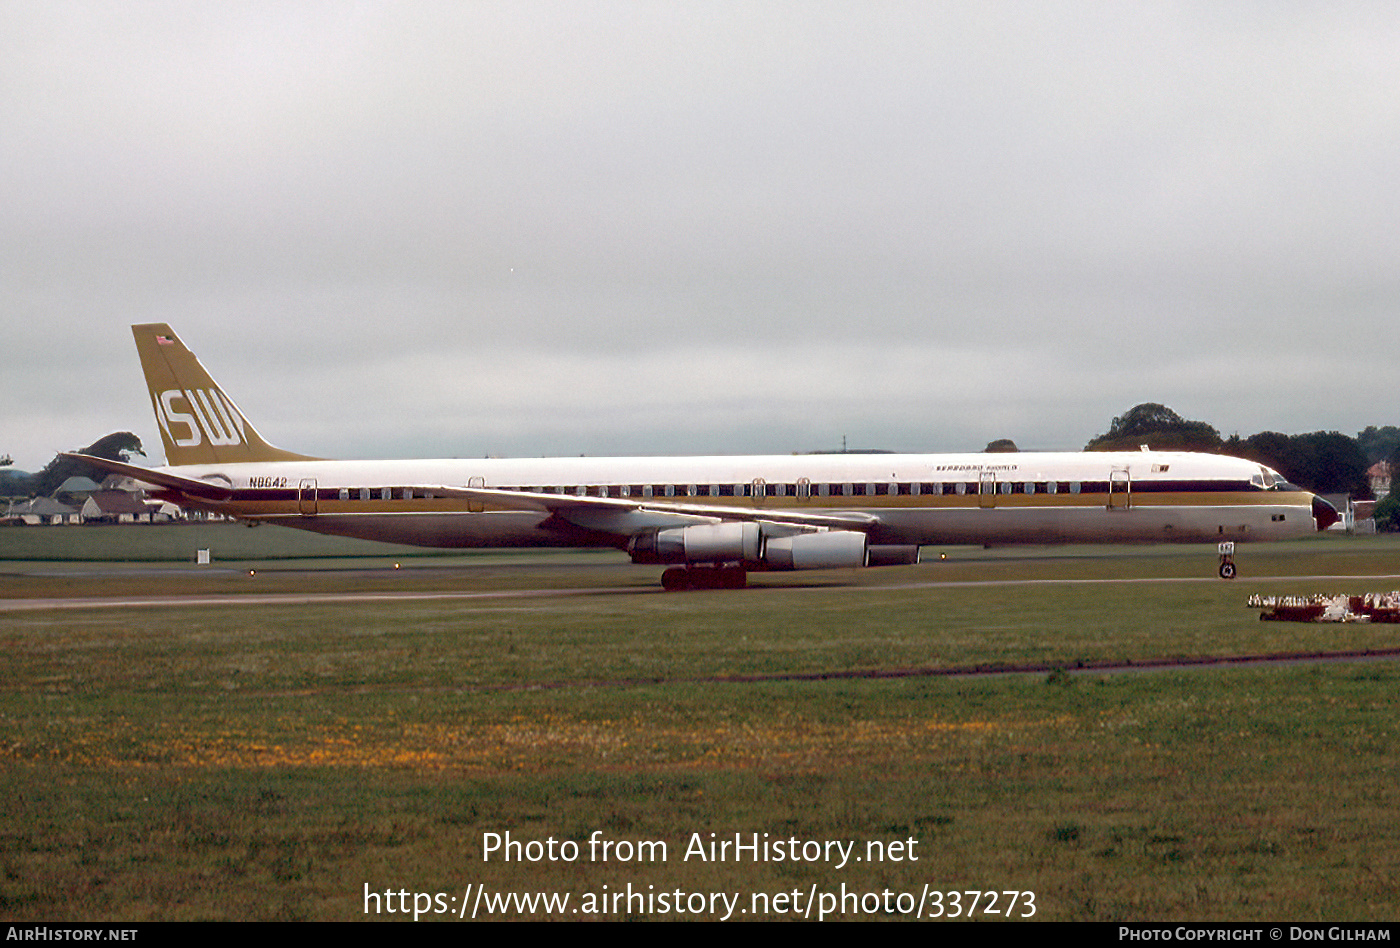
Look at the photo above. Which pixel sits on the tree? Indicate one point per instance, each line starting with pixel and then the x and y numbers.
pixel 1387 513
pixel 1000 446
pixel 1335 464
pixel 1272 449
pixel 1325 462
pixel 118 446
pixel 12 483
pixel 1379 443
pixel 1158 427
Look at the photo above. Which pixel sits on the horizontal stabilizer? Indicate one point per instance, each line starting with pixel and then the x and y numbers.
pixel 205 490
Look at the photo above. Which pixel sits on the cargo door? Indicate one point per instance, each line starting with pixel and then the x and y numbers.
pixel 1120 489
pixel 306 497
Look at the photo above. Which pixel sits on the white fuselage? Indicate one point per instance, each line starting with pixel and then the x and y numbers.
pixel 904 498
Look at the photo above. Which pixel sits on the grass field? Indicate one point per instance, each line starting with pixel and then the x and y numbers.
pixel 272 760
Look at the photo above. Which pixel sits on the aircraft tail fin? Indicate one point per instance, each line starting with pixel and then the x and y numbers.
pixel 198 423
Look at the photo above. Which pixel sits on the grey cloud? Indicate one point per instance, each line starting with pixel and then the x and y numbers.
pixel 1077 205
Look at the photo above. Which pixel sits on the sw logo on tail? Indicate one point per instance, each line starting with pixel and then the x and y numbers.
pixel 214 418
pixel 199 424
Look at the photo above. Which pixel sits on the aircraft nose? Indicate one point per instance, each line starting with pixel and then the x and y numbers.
pixel 1324 513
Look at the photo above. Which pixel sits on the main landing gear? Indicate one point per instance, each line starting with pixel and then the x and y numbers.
pixel 1227 560
pixel 704 577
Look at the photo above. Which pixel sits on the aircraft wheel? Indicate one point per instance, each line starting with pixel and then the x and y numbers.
pixel 733 577
pixel 704 577
pixel 1227 570
pixel 679 578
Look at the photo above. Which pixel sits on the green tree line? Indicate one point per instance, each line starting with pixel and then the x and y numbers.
pixel 1325 462
pixel 117 446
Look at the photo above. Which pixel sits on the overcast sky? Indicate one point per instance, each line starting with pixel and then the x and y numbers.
pixel 409 229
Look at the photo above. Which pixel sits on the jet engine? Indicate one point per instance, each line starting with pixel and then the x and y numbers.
pixel 753 546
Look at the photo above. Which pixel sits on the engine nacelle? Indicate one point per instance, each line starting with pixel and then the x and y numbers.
pixel 702 543
pixel 764 546
pixel 834 549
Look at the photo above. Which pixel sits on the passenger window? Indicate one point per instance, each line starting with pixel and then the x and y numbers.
pixel 345 493
pixel 364 493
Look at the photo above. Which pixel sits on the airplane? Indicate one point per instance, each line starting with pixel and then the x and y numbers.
pixel 709 520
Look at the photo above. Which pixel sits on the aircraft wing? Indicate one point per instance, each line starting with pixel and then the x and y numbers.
pixel 621 516
pixel 627 515
pixel 205 490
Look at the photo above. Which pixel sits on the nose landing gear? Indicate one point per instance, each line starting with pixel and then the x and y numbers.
pixel 1227 560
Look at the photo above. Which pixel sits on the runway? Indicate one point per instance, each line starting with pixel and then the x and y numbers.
pixel 289 599
pixel 292 599
pixel 251 599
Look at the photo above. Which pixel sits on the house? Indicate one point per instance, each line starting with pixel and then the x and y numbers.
pixel 75 490
pixel 1378 475
pixel 116 506
pixel 42 510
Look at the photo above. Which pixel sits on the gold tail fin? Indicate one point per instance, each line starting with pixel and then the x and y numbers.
pixel 198 423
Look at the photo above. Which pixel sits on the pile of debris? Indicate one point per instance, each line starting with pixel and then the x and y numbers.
pixel 1371 607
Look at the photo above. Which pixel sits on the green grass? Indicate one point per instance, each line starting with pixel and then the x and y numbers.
pixel 178 542
pixel 270 761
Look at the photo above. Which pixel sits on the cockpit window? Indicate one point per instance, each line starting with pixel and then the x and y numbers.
pixel 1270 479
